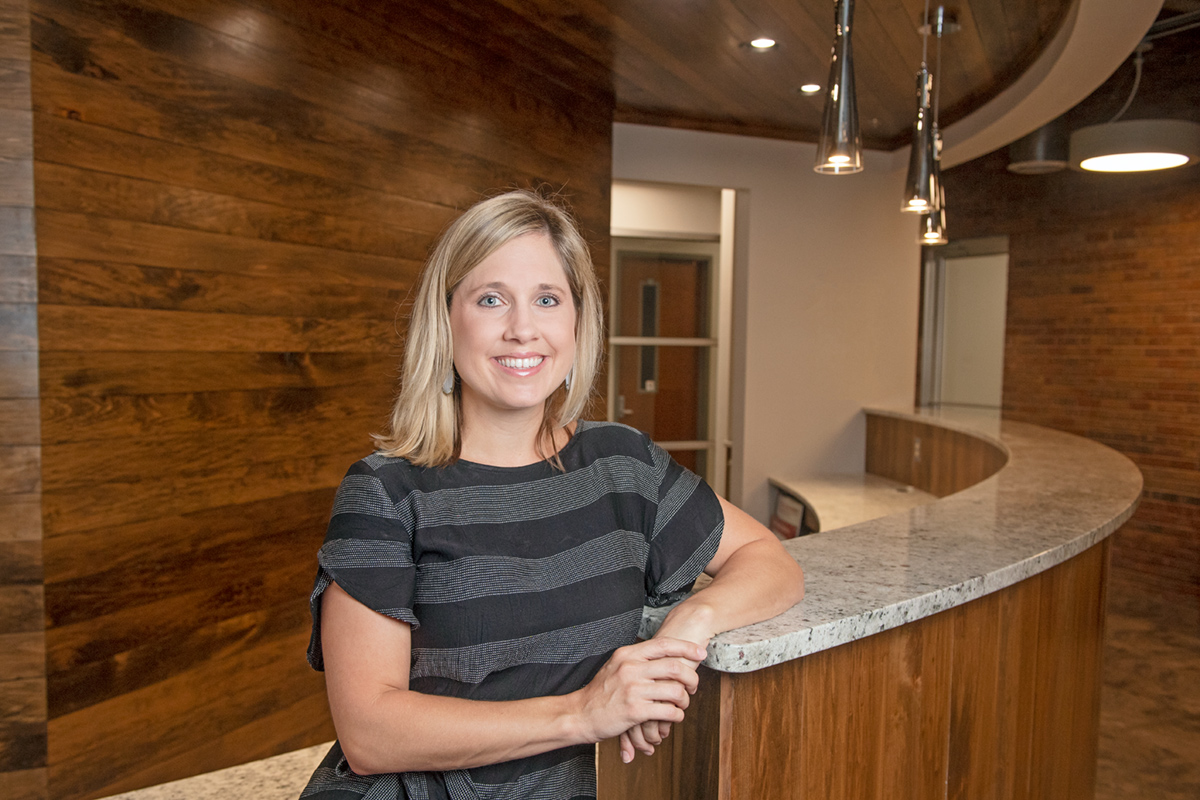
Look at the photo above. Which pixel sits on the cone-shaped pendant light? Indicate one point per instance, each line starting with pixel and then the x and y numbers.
pixel 933 228
pixel 839 150
pixel 933 223
pixel 921 189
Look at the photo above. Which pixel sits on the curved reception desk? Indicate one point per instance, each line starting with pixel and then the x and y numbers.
pixel 950 650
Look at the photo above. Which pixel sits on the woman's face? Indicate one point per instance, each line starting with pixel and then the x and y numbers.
pixel 513 321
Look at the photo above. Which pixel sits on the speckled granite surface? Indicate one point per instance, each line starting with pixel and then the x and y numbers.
pixel 1058 495
pixel 279 778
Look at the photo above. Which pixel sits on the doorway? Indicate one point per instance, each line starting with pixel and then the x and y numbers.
pixel 661 347
pixel 964 308
pixel 670 321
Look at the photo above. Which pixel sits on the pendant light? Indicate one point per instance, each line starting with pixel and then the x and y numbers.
pixel 920 187
pixel 933 224
pixel 1136 145
pixel 933 216
pixel 839 150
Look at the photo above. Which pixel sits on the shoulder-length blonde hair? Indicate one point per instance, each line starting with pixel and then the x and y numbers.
pixel 426 422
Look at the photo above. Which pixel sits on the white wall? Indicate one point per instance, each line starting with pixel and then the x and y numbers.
pixel 669 212
pixel 828 297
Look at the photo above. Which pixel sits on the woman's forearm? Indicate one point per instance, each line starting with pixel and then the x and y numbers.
pixel 405 731
pixel 748 589
pixel 755 581
pixel 394 729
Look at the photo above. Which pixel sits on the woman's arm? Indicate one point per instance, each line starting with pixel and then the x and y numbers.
pixel 753 579
pixel 385 727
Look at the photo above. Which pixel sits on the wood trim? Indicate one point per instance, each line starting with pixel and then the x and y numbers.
pixel 23 731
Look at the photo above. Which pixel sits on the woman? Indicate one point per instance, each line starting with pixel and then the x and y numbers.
pixel 483 575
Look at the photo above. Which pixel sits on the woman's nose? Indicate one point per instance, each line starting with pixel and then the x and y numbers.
pixel 521 325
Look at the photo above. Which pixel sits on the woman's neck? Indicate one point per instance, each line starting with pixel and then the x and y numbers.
pixel 507 440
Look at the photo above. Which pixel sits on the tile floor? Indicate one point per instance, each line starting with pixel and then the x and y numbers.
pixel 1150 704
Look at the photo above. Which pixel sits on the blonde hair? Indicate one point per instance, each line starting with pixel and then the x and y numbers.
pixel 426 423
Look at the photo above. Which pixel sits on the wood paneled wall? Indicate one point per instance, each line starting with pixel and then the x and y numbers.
pixel 994 699
pixel 232 197
pixel 932 458
pixel 1104 311
pixel 22 639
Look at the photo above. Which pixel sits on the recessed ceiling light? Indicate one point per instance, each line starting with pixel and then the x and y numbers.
pixel 762 43
pixel 810 88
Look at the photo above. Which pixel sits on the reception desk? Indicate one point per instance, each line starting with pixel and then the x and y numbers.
pixel 949 650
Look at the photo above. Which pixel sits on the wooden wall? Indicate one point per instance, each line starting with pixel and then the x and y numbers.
pixel 232 197
pixel 932 458
pixel 1104 312
pixel 22 640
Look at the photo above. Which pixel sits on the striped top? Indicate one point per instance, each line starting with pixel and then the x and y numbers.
pixel 518 582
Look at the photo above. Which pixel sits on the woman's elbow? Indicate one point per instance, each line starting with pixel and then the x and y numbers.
pixel 797 582
pixel 359 757
pixel 788 586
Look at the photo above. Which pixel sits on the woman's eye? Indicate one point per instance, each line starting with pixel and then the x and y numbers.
pixel 489 300
pixel 547 301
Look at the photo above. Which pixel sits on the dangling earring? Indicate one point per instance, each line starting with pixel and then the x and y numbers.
pixel 448 384
pixel 570 372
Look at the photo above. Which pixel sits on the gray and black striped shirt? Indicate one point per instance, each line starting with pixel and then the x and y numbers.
pixel 518 582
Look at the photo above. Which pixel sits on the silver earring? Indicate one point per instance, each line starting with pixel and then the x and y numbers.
pixel 570 372
pixel 448 384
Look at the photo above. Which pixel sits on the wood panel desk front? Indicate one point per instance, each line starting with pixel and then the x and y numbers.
pixel 951 650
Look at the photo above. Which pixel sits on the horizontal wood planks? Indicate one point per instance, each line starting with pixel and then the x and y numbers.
pixel 695 70
pixel 23 711
pixel 997 698
pixel 932 458
pixel 233 199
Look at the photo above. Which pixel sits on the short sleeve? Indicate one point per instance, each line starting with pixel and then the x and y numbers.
pixel 367 552
pixel 688 522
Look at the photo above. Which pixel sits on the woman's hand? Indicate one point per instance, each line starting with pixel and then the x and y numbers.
pixel 692 627
pixel 753 578
pixel 647 682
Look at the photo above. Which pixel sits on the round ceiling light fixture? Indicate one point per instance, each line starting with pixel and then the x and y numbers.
pixel 1135 145
pixel 810 88
pixel 762 43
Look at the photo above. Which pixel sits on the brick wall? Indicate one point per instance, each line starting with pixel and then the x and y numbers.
pixel 1104 312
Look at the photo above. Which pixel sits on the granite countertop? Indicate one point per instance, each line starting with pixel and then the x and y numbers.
pixel 840 499
pixel 1058 495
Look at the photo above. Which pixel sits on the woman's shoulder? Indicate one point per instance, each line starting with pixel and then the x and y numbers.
pixel 599 438
pixel 395 475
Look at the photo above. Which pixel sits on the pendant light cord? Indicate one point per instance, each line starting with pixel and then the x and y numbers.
pixel 1138 57
pixel 925 36
pixel 937 81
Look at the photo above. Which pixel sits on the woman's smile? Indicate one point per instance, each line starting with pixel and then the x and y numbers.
pixel 523 365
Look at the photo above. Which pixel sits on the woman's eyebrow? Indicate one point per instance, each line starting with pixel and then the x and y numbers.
pixel 541 287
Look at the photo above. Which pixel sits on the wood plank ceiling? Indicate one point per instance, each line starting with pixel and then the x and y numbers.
pixel 686 63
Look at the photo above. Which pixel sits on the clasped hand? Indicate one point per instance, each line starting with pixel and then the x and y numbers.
pixel 641 691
